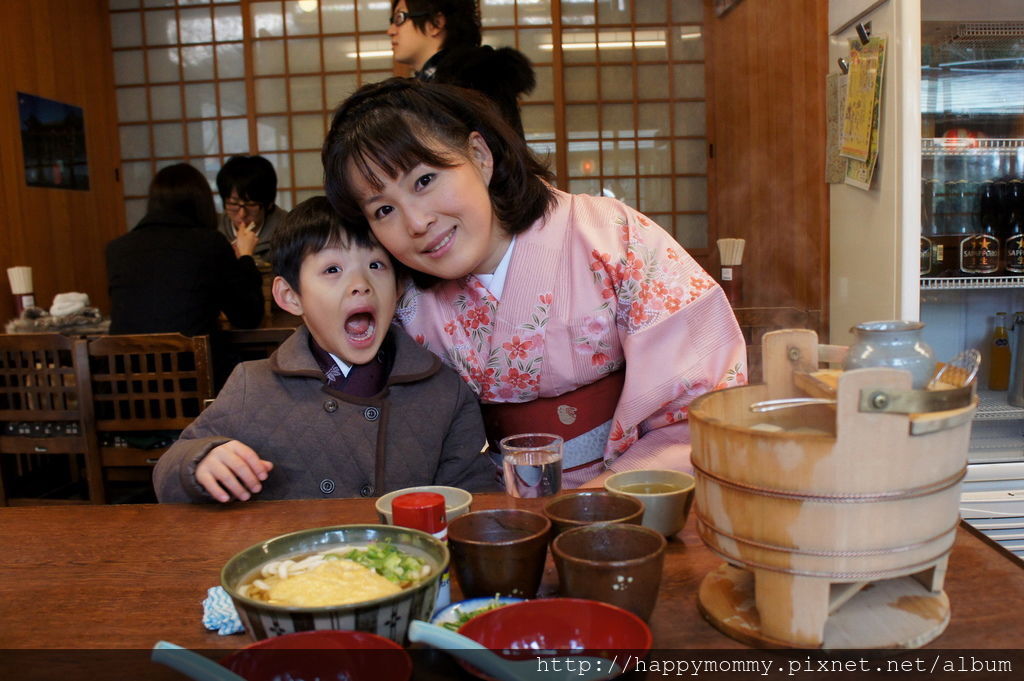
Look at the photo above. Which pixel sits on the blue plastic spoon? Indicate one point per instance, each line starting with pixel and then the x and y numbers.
pixel 191 664
pixel 542 668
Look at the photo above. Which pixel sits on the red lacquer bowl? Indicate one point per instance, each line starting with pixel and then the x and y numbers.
pixel 325 654
pixel 558 627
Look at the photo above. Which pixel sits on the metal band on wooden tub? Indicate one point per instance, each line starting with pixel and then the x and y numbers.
pixel 894 495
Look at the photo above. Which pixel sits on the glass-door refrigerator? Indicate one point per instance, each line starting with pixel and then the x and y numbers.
pixel 972 234
pixel 927 240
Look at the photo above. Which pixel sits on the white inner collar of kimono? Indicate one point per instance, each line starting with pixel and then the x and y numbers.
pixel 495 281
pixel 342 364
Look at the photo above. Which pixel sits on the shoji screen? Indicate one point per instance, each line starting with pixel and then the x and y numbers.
pixel 619 107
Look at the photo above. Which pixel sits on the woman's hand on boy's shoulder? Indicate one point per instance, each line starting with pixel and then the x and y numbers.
pixel 232 471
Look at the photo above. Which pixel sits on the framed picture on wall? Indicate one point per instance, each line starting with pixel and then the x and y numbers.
pixel 53 143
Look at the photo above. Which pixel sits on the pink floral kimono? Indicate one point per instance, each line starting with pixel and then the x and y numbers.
pixel 591 288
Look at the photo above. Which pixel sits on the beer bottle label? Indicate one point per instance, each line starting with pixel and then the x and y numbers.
pixel 1015 253
pixel 979 254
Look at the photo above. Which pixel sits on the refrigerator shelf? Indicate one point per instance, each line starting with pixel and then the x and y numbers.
pixel 972 146
pixel 970 283
pixel 993 407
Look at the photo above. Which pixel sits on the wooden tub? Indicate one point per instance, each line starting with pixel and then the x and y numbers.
pixel 814 503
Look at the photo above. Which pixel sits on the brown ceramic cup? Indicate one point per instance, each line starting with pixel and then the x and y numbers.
pixel 586 508
pixel 500 551
pixel 616 563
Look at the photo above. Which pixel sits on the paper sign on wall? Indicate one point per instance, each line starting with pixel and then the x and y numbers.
pixel 862 111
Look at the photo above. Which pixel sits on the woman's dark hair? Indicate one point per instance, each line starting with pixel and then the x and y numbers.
pixel 182 190
pixel 309 228
pixel 397 124
pixel 252 177
pixel 461 19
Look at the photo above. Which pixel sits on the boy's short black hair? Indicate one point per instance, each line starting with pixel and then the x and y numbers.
pixel 253 177
pixel 310 227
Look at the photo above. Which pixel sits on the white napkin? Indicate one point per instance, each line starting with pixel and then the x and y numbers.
pixel 219 612
pixel 69 303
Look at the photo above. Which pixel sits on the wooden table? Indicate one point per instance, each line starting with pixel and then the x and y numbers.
pixel 122 577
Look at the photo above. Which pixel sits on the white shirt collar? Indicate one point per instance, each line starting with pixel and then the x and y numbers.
pixel 495 282
pixel 342 364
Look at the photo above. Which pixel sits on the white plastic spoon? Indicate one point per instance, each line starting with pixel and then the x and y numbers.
pixel 191 664
pixel 542 668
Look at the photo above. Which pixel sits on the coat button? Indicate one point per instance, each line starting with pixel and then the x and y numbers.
pixel 330 406
pixel 327 486
pixel 366 491
pixel 371 413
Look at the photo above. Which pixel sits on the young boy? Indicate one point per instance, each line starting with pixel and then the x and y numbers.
pixel 347 406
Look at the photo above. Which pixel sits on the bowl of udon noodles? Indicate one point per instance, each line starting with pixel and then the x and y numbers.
pixel 373 578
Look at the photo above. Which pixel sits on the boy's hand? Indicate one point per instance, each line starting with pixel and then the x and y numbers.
pixel 232 469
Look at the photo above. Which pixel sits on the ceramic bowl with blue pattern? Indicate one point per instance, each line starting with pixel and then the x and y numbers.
pixel 388 616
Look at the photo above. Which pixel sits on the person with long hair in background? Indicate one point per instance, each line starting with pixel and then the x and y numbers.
pixel 174 272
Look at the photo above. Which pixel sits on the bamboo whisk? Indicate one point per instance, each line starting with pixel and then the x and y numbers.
pixel 731 253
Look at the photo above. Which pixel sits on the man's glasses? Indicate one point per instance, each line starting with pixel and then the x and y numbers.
pixel 401 16
pixel 235 206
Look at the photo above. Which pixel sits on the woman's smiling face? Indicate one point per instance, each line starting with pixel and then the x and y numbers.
pixel 437 220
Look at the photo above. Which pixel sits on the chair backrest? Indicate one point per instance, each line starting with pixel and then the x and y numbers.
pixel 42 378
pixel 46 408
pixel 149 381
pixel 250 344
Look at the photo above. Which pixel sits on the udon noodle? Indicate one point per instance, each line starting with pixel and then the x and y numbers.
pixel 336 576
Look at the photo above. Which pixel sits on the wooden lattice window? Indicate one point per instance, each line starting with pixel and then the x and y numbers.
pixel 619 108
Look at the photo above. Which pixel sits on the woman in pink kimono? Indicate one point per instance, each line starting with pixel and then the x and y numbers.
pixel 565 313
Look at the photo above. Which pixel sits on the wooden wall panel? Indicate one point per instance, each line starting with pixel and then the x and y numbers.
pixel 58 49
pixel 766 64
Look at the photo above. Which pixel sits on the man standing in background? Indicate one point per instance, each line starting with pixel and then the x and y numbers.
pixel 440 40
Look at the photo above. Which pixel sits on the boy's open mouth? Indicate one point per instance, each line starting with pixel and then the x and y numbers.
pixel 360 326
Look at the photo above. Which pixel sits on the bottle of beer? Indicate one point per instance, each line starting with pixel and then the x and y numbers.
pixel 1013 209
pixel 930 246
pixel 979 252
pixel 927 229
pixel 999 361
pixel 949 229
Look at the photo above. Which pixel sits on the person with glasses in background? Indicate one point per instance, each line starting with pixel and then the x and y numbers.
pixel 248 189
pixel 440 40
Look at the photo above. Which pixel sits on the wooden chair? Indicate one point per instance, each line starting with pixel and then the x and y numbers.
pixel 250 344
pixel 46 410
pixel 147 384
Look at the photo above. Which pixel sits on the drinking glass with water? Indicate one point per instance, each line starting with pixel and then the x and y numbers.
pixel 532 463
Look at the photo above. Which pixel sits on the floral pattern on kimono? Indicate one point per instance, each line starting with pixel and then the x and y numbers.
pixel 592 287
